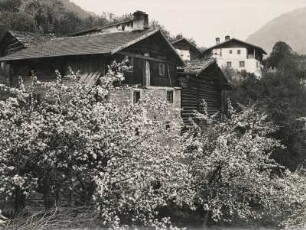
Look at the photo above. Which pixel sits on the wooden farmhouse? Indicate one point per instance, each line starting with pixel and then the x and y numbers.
pixel 155 65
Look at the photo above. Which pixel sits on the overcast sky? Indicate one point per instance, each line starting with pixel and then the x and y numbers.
pixel 203 20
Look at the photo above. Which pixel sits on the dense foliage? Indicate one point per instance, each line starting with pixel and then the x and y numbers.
pixel 73 144
pixel 234 175
pixel 45 16
pixel 74 147
pixel 281 92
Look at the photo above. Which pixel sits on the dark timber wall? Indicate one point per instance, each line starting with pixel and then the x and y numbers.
pixel 206 87
pixel 45 68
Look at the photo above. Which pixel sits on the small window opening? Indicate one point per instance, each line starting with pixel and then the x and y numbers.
pixel 168 125
pixel 170 96
pixel 241 64
pixel 136 97
pixel 238 51
pixel 162 69
pixel 229 64
pixel 137 132
pixel 230 51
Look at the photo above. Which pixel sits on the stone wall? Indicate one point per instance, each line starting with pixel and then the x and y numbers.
pixel 123 96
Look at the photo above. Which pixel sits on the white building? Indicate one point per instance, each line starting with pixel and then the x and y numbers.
pixel 187 51
pixel 238 55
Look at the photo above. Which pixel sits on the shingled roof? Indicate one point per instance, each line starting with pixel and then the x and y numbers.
pixel 82 45
pixel 198 66
pixel 29 39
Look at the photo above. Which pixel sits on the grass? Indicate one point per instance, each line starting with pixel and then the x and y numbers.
pixel 57 219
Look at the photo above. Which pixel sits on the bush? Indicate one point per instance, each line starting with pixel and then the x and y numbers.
pixel 234 175
pixel 282 96
pixel 72 144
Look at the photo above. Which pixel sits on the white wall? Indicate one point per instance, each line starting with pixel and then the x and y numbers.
pixel 184 54
pixel 224 56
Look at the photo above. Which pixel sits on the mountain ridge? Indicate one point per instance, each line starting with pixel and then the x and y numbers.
pixel 288 27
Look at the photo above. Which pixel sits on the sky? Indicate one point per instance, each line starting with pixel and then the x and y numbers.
pixel 202 20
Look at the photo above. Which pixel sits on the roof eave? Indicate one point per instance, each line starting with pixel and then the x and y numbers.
pixel 234 39
pixel 3 59
pixel 120 48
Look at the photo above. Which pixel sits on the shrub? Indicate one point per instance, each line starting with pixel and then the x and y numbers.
pixel 234 175
pixel 72 144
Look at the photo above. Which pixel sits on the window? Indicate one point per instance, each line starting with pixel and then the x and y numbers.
pixel 241 64
pixel 162 69
pixel 238 51
pixel 230 51
pixel 257 65
pixel 167 125
pixel 229 64
pixel 136 96
pixel 137 132
pixel 170 96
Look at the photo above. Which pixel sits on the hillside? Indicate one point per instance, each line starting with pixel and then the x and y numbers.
pixel 72 7
pixel 57 17
pixel 289 28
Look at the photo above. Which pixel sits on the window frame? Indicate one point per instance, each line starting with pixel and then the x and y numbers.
pixel 238 52
pixel 241 64
pixel 170 96
pixel 162 71
pixel 229 64
pixel 136 96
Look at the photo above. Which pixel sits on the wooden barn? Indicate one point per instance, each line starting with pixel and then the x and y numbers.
pixel 200 80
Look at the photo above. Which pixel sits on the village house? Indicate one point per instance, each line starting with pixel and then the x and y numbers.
pixel 187 50
pixel 237 55
pixel 155 65
pixel 202 79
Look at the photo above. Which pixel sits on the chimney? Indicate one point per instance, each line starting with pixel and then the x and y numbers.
pixel 217 41
pixel 227 38
pixel 140 20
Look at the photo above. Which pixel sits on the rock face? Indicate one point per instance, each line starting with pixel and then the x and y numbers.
pixel 289 28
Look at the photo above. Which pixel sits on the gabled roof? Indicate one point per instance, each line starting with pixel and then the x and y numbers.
pixel 29 39
pixel 107 43
pixel 99 29
pixel 231 41
pixel 199 66
pixel 193 47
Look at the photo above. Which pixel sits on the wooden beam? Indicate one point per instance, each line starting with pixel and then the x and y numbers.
pixel 142 57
